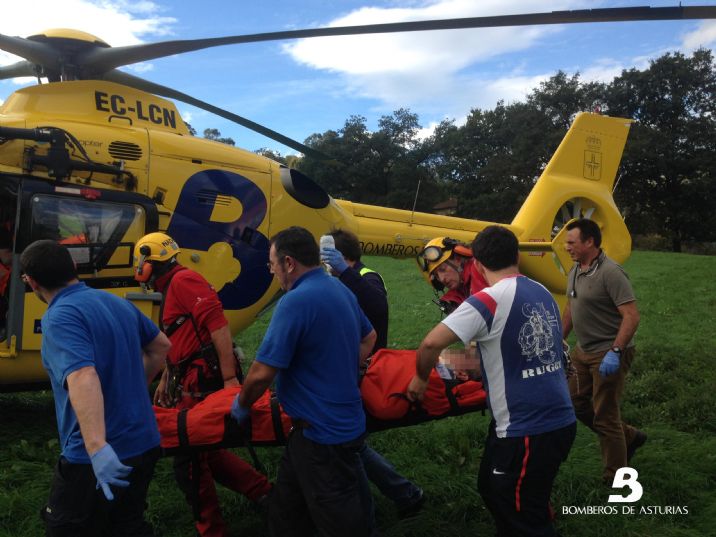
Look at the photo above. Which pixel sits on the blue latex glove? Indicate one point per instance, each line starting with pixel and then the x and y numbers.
pixel 239 413
pixel 109 470
pixel 335 259
pixel 610 364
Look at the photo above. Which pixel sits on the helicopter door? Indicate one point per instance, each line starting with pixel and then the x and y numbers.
pixel 8 211
pixel 98 227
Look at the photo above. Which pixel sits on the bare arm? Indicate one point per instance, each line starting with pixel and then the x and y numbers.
pixel 630 322
pixel 154 355
pixel 161 396
pixel 366 345
pixel 426 358
pixel 88 403
pixel 221 338
pixel 258 379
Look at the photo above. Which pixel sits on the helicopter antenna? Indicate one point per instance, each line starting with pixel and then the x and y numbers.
pixel 415 202
pixel 616 183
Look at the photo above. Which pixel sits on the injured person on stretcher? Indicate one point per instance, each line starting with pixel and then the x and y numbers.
pixel 209 425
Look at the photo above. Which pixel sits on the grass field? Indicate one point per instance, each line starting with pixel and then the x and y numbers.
pixel 670 394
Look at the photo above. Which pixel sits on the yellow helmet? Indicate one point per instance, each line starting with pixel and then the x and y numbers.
pixel 152 247
pixel 435 253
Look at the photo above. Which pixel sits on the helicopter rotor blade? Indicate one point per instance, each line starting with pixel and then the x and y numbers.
pixel 101 60
pixel 145 85
pixel 33 51
pixel 21 68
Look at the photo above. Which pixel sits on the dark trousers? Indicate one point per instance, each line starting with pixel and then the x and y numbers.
pixel 516 476
pixel 76 508
pixel 320 487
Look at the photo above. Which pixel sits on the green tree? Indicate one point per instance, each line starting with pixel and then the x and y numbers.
pixel 273 155
pixel 215 135
pixel 380 168
pixel 397 161
pixel 668 182
pixel 561 98
pixel 492 161
pixel 349 147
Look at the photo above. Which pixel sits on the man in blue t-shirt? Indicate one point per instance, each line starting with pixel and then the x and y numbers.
pixel 100 353
pixel 314 346
pixel 516 323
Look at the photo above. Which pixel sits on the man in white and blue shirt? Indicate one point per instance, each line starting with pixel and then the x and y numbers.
pixel 517 325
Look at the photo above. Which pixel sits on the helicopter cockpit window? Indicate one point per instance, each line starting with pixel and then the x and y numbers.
pixel 99 235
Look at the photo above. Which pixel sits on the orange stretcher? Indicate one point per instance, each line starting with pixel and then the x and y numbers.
pixel 209 424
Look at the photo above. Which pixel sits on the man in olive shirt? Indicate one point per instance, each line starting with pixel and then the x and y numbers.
pixel 601 307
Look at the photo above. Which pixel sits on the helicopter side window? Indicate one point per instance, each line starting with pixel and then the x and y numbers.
pixel 98 234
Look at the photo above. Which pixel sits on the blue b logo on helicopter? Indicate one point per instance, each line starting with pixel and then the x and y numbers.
pixel 192 227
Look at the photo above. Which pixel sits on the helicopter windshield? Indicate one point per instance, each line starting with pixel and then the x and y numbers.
pixel 93 231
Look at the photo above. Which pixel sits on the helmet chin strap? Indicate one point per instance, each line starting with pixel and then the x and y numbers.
pixel 165 267
pixel 459 268
pixel 159 269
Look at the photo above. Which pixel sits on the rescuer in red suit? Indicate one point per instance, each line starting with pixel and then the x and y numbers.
pixel 201 361
pixel 447 263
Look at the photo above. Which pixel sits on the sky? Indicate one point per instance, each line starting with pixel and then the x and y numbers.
pixel 302 87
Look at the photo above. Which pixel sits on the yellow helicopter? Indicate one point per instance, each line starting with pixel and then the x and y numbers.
pixel 97 158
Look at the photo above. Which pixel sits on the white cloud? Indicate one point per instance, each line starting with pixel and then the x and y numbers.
pixel 25 80
pixel 439 52
pixel 447 73
pixel 703 36
pixel 606 69
pixel 141 67
pixel 116 22
pixel 420 69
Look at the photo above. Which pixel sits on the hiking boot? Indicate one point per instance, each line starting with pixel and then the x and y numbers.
pixel 413 508
pixel 639 440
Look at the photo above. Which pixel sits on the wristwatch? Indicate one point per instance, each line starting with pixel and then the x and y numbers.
pixel 616 349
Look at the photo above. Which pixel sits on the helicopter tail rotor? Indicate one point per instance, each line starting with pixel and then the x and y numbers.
pixel 577 183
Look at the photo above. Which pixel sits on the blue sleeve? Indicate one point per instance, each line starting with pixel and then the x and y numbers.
pixel 147 329
pixel 284 332
pixel 365 326
pixel 68 342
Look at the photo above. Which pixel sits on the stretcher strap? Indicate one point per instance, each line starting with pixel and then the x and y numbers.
pixel 245 431
pixel 182 430
pixel 454 407
pixel 276 420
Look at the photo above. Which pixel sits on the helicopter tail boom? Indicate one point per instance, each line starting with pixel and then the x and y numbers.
pixel 401 233
pixel 577 182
